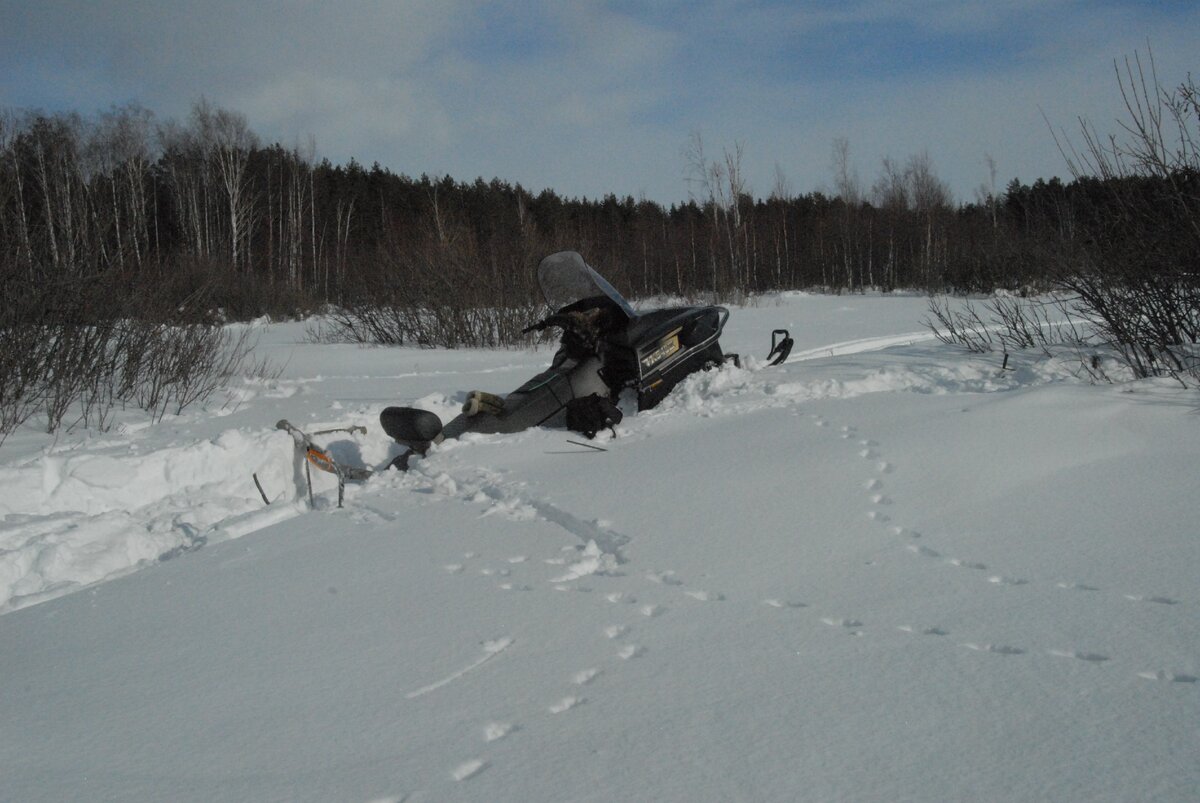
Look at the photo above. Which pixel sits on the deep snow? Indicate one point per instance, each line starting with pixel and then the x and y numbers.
pixel 886 570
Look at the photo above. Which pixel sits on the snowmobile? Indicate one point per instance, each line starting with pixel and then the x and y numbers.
pixel 605 348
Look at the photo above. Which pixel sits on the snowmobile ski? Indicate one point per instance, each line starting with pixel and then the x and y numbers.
pixel 781 348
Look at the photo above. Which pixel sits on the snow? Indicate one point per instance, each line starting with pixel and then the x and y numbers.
pixel 886 570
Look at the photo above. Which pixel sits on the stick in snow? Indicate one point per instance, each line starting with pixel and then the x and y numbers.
pixel 261 492
pixel 588 445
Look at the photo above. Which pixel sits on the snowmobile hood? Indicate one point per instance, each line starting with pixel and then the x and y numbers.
pixel 566 279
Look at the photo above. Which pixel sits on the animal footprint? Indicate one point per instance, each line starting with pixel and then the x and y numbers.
pixel 995 649
pixel 631 651
pixel 705 596
pixel 778 603
pixel 923 631
pixel 615 631
pixel 1076 587
pixel 652 610
pixel 965 564
pixel 1158 600
pixel 873 485
pixel 1093 657
pixel 845 623
pixel 1001 580
pixel 666 578
pixel 495 731
pixel 584 676
pixel 923 551
pixel 1173 677
pixel 469 769
pixel 566 704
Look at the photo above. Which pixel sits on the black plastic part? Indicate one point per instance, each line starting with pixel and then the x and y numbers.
pixel 656 384
pixel 780 347
pixel 410 426
pixel 400 463
pixel 590 414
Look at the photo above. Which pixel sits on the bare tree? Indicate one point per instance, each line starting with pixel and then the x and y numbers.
pixel 849 190
pixel 781 195
pixel 985 193
pixel 845 178
pixel 707 180
pixel 1143 286
pixel 121 153
pixel 230 140
pixel 927 191
pixel 186 170
pixel 12 167
pixel 890 190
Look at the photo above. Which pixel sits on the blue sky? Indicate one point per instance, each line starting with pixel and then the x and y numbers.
pixel 596 97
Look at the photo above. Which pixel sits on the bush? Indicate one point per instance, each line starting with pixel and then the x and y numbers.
pixel 1136 268
pixel 74 351
pixel 440 294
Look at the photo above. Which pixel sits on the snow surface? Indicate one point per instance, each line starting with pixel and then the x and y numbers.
pixel 886 570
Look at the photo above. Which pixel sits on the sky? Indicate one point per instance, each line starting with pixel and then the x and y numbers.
pixel 596 97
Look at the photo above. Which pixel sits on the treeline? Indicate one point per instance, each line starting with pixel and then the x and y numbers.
pixel 221 221
pixel 202 221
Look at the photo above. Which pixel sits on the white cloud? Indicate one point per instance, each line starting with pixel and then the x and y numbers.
pixel 597 100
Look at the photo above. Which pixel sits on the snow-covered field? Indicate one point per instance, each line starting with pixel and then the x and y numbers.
pixel 883 571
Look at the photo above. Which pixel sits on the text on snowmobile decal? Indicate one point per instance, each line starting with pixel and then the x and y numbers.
pixel 666 347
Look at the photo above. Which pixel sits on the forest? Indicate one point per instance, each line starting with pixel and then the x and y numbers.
pixel 204 207
pixel 126 240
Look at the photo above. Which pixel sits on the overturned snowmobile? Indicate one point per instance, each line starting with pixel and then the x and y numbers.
pixel 606 347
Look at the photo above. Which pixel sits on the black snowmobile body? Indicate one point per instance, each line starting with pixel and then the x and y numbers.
pixel 606 347
pixel 658 349
pixel 650 352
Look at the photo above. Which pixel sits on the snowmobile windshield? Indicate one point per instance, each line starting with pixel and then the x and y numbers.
pixel 566 279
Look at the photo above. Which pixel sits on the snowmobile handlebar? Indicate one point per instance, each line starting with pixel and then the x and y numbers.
pixel 557 319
